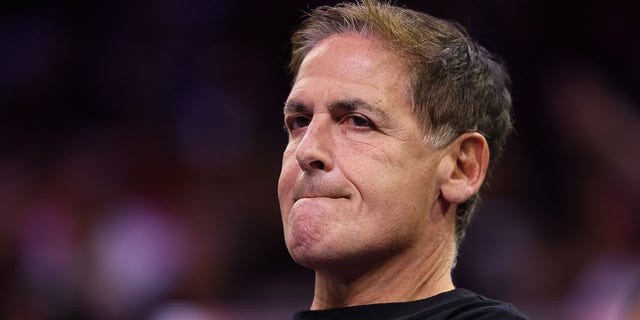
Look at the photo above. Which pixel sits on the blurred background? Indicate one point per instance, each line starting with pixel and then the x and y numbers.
pixel 140 146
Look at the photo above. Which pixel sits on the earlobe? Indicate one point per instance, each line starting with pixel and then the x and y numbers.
pixel 464 167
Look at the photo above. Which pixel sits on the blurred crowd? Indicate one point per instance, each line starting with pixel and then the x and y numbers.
pixel 140 146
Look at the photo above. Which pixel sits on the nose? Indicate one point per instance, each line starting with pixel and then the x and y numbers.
pixel 315 150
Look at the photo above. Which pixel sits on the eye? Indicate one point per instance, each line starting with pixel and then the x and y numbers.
pixel 297 122
pixel 357 121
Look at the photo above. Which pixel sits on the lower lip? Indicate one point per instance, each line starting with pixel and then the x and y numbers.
pixel 314 201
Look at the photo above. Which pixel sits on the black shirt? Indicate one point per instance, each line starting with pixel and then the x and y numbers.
pixel 457 304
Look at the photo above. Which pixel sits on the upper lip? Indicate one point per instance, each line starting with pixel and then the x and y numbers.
pixel 307 191
pixel 319 189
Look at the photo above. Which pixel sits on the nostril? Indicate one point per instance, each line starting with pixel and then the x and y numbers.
pixel 317 165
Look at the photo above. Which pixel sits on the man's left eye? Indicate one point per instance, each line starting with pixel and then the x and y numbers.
pixel 357 121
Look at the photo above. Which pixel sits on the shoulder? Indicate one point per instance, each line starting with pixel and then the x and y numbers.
pixel 465 304
pixel 457 304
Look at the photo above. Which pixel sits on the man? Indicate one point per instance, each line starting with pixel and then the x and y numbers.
pixel 392 118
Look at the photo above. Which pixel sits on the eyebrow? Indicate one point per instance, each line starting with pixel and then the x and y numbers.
pixel 349 105
pixel 296 107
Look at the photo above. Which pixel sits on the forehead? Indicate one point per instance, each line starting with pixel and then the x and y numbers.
pixel 349 54
pixel 351 66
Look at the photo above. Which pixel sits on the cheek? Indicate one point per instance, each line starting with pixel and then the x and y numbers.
pixel 286 182
pixel 374 170
pixel 391 180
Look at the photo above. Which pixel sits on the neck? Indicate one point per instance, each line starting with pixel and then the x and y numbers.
pixel 413 276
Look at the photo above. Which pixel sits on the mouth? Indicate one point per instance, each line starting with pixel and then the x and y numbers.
pixel 319 197
pixel 317 190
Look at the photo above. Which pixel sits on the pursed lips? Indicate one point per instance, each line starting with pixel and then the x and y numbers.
pixel 319 196
pixel 317 190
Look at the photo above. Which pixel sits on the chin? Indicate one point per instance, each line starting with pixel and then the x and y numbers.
pixel 312 254
pixel 307 259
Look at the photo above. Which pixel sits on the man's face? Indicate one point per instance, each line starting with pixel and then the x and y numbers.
pixel 358 182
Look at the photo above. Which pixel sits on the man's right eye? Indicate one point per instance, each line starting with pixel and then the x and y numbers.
pixel 297 122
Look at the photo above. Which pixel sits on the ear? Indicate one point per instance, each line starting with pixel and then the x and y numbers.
pixel 464 167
